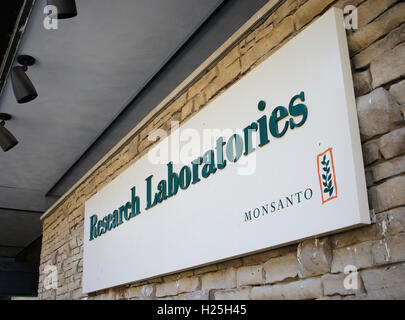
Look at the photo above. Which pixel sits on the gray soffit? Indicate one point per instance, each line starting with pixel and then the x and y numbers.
pixel 86 73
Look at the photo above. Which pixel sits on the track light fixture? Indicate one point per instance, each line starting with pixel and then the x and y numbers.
pixel 23 88
pixel 66 8
pixel 7 140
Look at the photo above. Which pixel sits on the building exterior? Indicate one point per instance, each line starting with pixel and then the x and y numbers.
pixel 362 263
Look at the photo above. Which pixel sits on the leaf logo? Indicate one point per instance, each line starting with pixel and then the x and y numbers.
pixel 327 177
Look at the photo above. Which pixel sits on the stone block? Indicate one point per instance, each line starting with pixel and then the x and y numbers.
pixel 249 275
pixel 335 297
pixel 365 36
pixel 176 104
pixel 359 255
pixel 371 152
pixel 109 294
pixel 352 237
pixel 369 10
pixel 268 292
pixel 225 279
pixel 198 87
pixel 285 9
pixel 77 294
pixel 281 268
pixel 390 250
pixel 362 82
pixel 73 243
pixel 229 58
pixel 234 294
pixel 145 292
pixel 264 45
pixel 189 284
pixel 196 295
pixel 308 11
pixel 167 289
pixel 74 285
pixel 187 110
pixel 297 290
pixel 389 66
pixel 262 32
pixel 334 284
pixel 393 221
pixel 66 296
pixel 52 259
pixel 393 144
pixel 378 113
pixel 388 195
pixel 259 258
pixel 398 90
pixel 225 78
pixel 48 295
pixel 133 148
pixel 364 58
pixel 234 263
pixel 314 257
pixel 385 283
pixel 369 177
pixel 388 169
pixel 206 269
pixel 199 101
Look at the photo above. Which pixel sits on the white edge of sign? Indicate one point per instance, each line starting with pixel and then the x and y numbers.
pixel 352 118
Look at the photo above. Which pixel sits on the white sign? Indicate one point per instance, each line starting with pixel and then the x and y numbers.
pixel 283 165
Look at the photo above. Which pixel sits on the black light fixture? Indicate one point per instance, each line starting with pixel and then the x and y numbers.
pixel 7 140
pixel 66 8
pixel 23 88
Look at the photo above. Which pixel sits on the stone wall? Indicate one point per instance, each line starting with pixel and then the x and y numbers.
pixel 313 269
